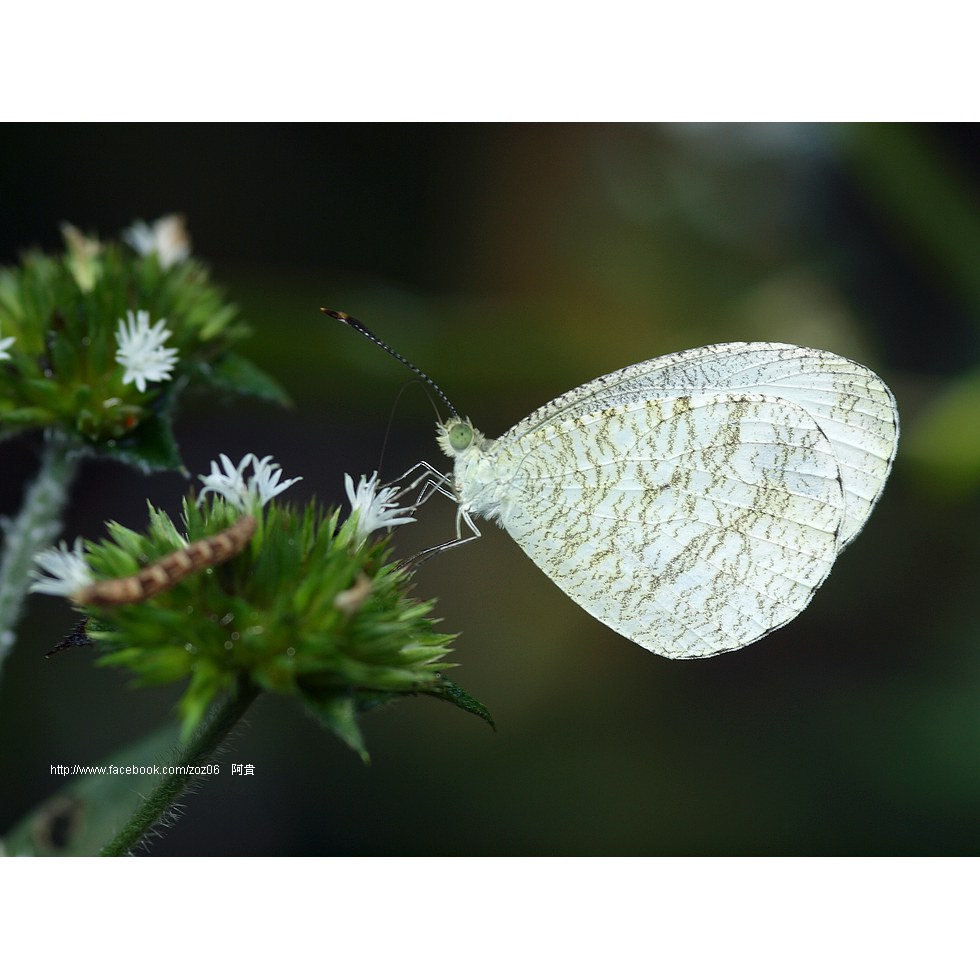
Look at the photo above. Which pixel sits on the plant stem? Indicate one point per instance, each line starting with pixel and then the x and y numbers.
pixel 34 529
pixel 204 742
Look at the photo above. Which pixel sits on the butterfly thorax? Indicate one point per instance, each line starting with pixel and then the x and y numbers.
pixel 476 470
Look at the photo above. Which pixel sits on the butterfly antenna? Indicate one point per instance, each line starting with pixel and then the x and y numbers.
pixel 391 417
pixel 361 329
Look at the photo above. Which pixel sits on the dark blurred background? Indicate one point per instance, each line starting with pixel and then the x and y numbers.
pixel 513 262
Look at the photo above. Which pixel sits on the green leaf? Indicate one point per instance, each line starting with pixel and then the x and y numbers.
pixel 239 375
pixel 150 448
pixel 339 715
pixel 448 691
pixel 164 528
pixel 206 684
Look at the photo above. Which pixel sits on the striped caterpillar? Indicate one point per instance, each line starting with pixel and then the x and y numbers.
pixel 166 572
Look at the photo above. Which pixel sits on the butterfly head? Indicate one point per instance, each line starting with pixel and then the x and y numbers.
pixel 457 436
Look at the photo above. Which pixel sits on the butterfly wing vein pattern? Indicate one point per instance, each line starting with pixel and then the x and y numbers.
pixel 695 502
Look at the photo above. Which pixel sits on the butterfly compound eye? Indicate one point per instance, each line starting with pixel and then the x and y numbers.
pixel 460 436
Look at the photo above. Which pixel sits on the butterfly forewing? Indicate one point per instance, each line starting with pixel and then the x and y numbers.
pixel 849 402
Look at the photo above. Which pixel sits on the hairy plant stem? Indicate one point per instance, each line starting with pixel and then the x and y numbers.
pixel 202 745
pixel 34 529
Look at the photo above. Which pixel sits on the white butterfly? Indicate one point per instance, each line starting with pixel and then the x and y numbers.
pixel 694 502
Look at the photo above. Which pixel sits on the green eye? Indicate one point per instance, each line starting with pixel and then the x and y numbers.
pixel 460 436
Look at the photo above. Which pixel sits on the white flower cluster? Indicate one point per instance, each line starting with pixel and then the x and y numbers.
pixel 375 509
pixel 244 494
pixel 166 238
pixel 141 351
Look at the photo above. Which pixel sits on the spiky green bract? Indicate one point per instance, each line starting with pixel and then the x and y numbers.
pixel 302 611
pixel 62 371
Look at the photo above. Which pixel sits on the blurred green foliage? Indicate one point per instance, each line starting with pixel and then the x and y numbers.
pixel 62 310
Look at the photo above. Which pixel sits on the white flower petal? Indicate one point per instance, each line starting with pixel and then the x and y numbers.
pixel 265 480
pixel 375 509
pixel 5 342
pixel 60 571
pixel 244 494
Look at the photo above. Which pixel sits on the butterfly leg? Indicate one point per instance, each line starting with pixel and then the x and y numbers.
pixel 433 481
pixel 462 517
pixel 421 471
